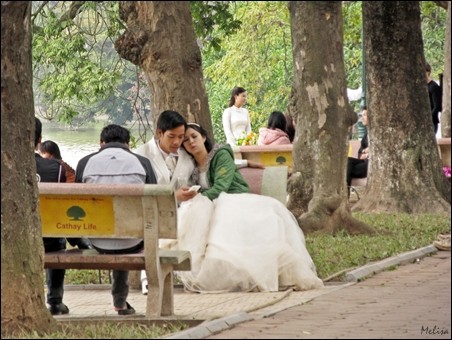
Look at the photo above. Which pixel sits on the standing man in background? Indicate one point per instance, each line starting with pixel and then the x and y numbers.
pixel 435 95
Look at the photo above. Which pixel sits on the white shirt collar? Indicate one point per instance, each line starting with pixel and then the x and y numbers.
pixel 165 154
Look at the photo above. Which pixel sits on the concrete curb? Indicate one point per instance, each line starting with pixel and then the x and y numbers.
pixel 374 268
pixel 212 327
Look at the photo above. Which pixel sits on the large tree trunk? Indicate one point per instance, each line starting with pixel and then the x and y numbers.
pixel 324 115
pixel 445 114
pixel 405 172
pixel 160 38
pixel 23 304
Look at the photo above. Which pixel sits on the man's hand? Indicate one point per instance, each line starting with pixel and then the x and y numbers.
pixel 183 194
pixel 365 154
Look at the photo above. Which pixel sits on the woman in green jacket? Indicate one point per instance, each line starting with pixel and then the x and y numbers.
pixel 216 170
pixel 238 241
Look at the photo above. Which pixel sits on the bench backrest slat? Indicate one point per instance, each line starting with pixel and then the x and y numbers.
pixel 99 210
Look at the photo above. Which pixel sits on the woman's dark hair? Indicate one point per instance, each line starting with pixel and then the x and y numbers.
pixel 115 133
pixel 51 148
pixel 38 131
pixel 235 92
pixel 290 128
pixel 169 120
pixel 207 143
pixel 277 121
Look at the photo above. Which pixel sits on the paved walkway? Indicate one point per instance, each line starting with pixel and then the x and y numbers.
pixel 410 302
pixel 413 301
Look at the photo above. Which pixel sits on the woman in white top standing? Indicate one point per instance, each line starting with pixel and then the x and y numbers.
pixel 236 119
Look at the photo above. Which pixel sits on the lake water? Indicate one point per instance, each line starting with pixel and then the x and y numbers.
pixel 74 144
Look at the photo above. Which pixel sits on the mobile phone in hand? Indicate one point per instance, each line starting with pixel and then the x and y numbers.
pixel 194 188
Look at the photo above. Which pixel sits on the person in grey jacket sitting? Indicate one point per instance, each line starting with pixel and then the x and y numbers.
pixel 115 163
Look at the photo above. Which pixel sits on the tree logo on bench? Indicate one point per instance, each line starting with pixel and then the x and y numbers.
pixel 281 160
pixel 76 213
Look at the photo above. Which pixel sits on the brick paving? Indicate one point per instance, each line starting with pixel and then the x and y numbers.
pixel 412 301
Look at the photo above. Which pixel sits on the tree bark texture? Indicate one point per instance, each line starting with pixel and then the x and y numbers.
pixel 445 113
pixel 405 171
pixel 23 305
pixel 160 39
pixel 324 116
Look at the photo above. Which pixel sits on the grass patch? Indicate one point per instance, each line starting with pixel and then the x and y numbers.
pixel 396 233
pixel 86 276
pixel 107 330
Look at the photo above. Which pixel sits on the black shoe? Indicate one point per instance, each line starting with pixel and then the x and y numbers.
pixel 84 243
pixel 58 309
pixel 128 310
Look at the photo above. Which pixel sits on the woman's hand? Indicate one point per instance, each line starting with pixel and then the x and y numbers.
pixel 183 194
pixel 253 164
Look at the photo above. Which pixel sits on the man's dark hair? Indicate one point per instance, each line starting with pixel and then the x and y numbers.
pixel 38 131
pixel 115 133
pixel 428 68
pixel 169 120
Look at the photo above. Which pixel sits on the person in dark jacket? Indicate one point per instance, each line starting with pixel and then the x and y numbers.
pixel 435 96
pixel 50 170
pixel 357 167
pixel 50 149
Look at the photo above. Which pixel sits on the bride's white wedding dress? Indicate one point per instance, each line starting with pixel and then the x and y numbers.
pixel 242 242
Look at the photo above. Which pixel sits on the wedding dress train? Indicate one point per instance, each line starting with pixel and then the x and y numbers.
pixel 243 242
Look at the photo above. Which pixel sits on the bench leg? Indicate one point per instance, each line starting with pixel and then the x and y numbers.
pixel 154 298
pixel 168 294
pixel 160 300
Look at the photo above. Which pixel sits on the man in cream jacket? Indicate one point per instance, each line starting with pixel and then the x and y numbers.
pixel 172 165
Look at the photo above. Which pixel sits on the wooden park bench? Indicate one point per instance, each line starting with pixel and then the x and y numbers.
pixel 271 181
pixel 267 155
pixel 145 211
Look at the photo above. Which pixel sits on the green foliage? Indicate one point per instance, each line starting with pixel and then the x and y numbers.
pixel 397 233
pixel 78 74
pixel 351 12
pixel 434 35
pixel 257 57
pixel 212 21
pixel 75 64
pixel 70 68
